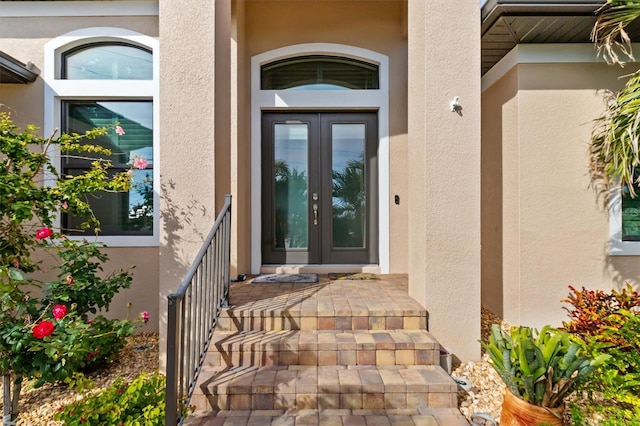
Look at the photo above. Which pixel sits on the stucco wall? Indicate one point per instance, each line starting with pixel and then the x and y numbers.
pixel 194 104
pixel 444 169
pixel 24 39
pixel 374 25
pixel 499 123
pixel 555 233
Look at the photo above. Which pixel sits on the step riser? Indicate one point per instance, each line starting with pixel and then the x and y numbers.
pixel 233 321
pixel 399 387
pixel 325 401
pixel 238 357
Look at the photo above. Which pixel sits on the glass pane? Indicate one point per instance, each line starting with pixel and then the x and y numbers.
pixel 291 146
pixel 108 62
pixel 349 203
pixel 320 73
pixel 120 213
pixel 630 216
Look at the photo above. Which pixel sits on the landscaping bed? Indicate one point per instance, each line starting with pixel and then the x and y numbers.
pixel 37 406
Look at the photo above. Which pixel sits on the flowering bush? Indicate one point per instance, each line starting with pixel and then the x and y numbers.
pixel 45 330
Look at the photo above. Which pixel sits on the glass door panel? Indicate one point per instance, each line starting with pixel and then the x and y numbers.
pixel 291 186
pixel 348 185
pixel 319 188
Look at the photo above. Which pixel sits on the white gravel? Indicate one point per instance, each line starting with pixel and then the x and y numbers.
pixel 487 389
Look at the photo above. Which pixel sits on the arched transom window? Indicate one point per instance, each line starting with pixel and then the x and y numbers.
pixel 107 61
pixel 319 72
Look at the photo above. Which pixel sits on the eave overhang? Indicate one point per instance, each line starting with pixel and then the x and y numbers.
pixel 507 23
pixel 13 71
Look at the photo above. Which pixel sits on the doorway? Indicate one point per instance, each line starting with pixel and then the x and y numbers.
pixel 319 187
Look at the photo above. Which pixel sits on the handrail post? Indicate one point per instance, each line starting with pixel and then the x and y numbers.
pixel 172 356
pixel 227 252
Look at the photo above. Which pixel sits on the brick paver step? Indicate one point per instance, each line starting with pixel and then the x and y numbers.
pixel 325 387
pixel 323 347
pixel 234 320
pixel 332 417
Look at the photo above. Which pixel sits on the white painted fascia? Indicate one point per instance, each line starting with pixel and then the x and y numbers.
pixel 28 9
pixel 560 53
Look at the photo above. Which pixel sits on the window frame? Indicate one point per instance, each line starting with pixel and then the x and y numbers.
pixel 58 90
pixel 618 246
pixel 79 165
pixel 65 56
pixel 319 61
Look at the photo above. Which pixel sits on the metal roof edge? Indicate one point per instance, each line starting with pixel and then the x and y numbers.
pixel 492 10
pixel 24 73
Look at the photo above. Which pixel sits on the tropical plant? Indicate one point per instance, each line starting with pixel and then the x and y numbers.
pixel 45 330
pixel 615 141
pixel 609 324
pixel 591 310
pixel 540 368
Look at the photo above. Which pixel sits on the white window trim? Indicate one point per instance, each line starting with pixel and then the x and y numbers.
pixel 57 90
pixel 319 99
pixel 617 247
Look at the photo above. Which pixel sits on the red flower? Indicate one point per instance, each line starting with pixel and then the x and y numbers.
pixel 69 280
pixel 43 233
pixel 43 329
pixel 59 311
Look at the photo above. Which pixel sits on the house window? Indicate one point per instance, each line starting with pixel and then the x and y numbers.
pixel 107 61
pixel 317 72
pixel 97 77
pixel 129 213
pixel 630 215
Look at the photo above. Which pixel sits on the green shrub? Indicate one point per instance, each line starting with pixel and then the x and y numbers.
pixel 139 403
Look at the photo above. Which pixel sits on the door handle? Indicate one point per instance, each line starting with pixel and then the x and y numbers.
pixel 315 214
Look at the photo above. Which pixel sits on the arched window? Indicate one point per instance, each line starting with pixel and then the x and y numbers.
pixel 317 72
pixel 105 76
pixel 107 61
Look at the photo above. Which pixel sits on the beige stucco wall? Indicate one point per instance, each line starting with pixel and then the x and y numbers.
pixel 192 77
pixel 555 233
pixel 499 124
pixel 377 25
pixel 24 39
pixel 444 169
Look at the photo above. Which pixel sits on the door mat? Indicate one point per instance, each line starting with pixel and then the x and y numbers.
pixel 286 278
pixel 353 276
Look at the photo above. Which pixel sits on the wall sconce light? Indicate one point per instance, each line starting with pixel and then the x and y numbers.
pixel 454 104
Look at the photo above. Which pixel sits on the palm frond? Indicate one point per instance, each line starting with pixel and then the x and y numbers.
pixel 615 140
pixel 609 33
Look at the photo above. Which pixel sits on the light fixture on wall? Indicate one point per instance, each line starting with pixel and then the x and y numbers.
pixel 454 104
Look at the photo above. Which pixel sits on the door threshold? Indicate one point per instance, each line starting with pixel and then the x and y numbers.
pixel 319 269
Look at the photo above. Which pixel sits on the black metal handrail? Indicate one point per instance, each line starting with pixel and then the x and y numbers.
pixel 193 314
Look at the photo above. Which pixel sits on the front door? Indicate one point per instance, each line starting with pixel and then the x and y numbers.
pixel 319 188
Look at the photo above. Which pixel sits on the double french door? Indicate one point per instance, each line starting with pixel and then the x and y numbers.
pixel 319 188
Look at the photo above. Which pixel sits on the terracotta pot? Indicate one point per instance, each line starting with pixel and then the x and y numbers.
pixel 518 412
